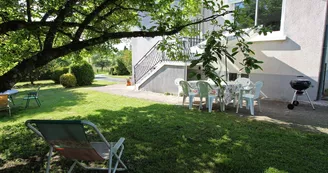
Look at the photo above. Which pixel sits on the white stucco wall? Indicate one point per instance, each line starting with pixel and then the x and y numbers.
pixel 140 46
pixel 299 54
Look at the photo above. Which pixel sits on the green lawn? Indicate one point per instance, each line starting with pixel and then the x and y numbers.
pixel 120 76
pixel 159 137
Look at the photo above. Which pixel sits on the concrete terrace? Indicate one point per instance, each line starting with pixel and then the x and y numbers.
pixel 272 111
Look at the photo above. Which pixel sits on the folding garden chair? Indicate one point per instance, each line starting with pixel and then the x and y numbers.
pixel 32 95
pixel 69 139
pixel 4 103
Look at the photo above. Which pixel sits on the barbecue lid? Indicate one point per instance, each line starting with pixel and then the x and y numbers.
pixel 300 84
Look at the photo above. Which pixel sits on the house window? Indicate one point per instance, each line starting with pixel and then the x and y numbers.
pixel 239 5
pixel 269 13
pixel 234 76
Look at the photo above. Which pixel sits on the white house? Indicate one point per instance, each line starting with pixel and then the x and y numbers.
pixel 297 46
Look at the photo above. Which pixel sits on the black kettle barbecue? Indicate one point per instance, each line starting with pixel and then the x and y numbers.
pixel 300 85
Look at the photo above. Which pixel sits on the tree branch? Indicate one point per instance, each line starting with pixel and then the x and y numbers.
pixel 103 17
pixel 118 23
pixel 45 16
pixel 89 18
pixel 15 25
pixel 130 8
pixel 28 11
pixel 58 21
pixel 66 34
pixel 43 57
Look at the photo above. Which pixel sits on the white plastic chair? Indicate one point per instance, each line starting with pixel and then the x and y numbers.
pixel 205 90
pixel 250 98
pixel 211 82
pixel 243 81
pixel 188 91
pixel 177 83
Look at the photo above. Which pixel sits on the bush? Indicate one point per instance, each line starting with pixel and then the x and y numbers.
pixel 68 80
pixel 57 73
pixel 45 75
pixel 84 73
pixel 120 68
pixel 112 71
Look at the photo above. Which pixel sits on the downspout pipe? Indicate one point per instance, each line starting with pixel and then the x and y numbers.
pixel 323 60
pixel 256 12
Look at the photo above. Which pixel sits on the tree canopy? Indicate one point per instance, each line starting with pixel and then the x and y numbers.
pixel 35 32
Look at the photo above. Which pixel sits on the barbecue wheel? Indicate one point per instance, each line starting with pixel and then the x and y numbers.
pixel 290 106
pixel 296 103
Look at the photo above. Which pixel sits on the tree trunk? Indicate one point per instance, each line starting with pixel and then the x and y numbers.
pixel 31 79
pixel 24 68
pixel 10 78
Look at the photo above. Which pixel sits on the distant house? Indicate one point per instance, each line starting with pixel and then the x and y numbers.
pixel 297 46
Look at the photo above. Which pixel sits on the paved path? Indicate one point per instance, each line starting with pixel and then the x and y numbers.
pixel 121 89
pixel 273 111
pixel 110 79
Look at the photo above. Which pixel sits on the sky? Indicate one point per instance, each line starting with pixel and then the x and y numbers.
pixel 125 42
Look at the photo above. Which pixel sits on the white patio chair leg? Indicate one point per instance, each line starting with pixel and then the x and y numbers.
pixel 240 100
pixel 72 167
pixel 210 104
pixel 237 107
pixel 235 100
pixel 201 103
pixel 49 159
pixel 223 106
pixel 259 103
pixel 247 104
pixel 251 105
pixel 191 100
pixel 183 100
pixel 207 100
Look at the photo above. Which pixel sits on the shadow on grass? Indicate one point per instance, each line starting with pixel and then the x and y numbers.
pixel 52 98
pixel 166 138
pixel 34 86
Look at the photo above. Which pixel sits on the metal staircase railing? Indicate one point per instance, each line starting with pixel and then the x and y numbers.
pixel 154 56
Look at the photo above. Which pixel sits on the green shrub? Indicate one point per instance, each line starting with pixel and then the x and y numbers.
pixel 84 73
pixel 112 71
pixel 57 73
pixel 68 80
pixel 45 75
pixel 120 68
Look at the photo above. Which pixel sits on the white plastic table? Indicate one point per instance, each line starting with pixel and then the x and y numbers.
pixel 10 94
pixel 227 94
